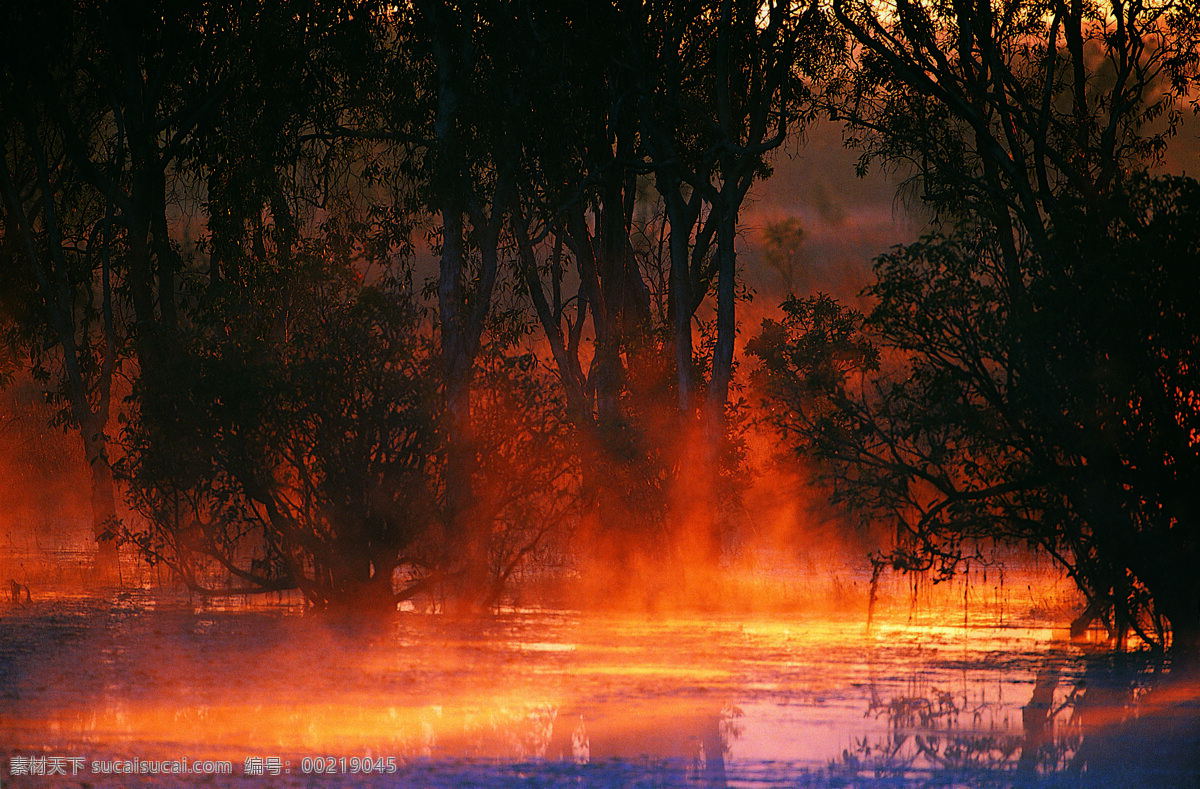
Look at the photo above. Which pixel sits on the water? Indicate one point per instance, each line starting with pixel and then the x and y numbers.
pixel 545 698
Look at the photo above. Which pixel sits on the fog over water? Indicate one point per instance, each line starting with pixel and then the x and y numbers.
pixel 973 683
pixel 949 685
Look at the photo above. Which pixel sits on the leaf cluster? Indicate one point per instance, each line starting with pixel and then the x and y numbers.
pixel 1063 418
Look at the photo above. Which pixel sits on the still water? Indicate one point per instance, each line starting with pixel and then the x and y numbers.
pixel 98 686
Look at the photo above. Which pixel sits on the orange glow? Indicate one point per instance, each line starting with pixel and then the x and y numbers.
pixel 44 489
pixel 545 686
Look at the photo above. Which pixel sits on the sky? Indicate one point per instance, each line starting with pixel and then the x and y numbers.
pixel 847 220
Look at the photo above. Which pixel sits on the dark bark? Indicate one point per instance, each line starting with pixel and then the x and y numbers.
pixel 722 359
pixel 466 208
pixel 682 218
pixel 48 268
pixel 105 522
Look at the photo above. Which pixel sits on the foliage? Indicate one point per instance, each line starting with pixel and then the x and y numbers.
pixel 528 462
pixel 298 444
pixel 294 444
pixel 1021 411
pixel 782 242
pixel 1015 107
pixel 1068 425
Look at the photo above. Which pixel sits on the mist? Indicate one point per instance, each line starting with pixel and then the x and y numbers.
pixel 706 394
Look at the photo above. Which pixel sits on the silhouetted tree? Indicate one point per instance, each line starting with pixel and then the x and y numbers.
pixel 1021 124
pixel 109 110
pixel 1010 113
pixel 651 116
pixel 725 84
pixel 308 449
pixel 64 253
pixel 58 278
pixel 303 450
pixel 580 187
pixel 1084 451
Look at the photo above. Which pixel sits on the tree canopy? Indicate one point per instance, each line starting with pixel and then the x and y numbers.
pixel 406 296
pixel 1025 373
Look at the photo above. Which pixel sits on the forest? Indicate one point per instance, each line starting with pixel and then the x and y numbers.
pixel 374 302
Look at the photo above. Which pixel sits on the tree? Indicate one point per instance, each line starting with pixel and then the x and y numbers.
pixel 61 251
pixel 582 181
pixel 721 85
pixel 1082 452
pixel 308 452
pixel 1120 398
pixel 719 106
pixel 399 120
pixel 102 107
pixel 660 112
pixel 1013 112
pixel 440 108
pixel 1022 124
pixel 295 459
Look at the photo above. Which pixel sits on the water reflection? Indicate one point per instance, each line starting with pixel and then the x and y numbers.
pixel 601 700
pixel 1123 722
pixel 938 737
pixel 693 741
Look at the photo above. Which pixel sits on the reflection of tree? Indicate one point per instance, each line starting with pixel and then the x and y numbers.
pixel 937 734
pixel 1120 724
pixel 1037 718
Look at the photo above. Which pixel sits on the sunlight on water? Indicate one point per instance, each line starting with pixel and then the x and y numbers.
pixel 766 700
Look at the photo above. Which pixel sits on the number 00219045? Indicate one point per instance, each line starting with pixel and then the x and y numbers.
pixel 365 765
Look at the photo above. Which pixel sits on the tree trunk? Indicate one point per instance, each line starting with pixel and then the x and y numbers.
pixel 466 560
pixel 707 532
pixel 463 558
pixel 722 358
pixel 726 207
pixel 1182 610
pixel 104 509
pixel 682 220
